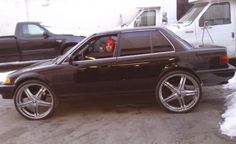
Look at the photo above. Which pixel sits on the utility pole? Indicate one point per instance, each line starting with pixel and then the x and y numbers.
pixel 27 10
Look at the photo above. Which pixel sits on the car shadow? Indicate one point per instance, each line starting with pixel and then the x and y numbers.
pixel 113 105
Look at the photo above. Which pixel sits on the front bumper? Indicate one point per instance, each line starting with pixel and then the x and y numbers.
pixel 216 76
pixel 7 91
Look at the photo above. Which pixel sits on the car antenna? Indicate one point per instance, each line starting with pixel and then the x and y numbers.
pixel 205 27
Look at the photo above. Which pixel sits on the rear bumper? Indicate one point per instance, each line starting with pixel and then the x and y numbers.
pixel 216 76
pixel 7 91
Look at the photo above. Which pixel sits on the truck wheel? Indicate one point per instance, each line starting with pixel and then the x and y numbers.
pixel 67 49
pixel 34 100
pixel 178 91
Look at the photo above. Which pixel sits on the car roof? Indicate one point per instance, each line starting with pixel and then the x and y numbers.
pixel 115 31
pixel 29 22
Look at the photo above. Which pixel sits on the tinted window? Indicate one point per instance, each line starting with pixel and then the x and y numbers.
pixel 160 43
pixel 217 14
pixel 132 43
pixel 99 47
pixel 147 18
pixel 31 30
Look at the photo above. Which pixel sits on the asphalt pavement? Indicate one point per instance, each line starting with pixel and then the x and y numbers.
pixel 118 122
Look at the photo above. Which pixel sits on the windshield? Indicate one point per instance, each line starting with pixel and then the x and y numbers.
pixel 69 52
pixel 191 15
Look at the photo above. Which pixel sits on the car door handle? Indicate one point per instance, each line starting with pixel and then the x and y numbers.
pixel 93 67
pixel 232 34
pixel 190 31
pixel 208 27
pixel 25 41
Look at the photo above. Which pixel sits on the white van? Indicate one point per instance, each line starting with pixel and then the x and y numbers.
pixel 146 16
pixel 156 13
pixel 209 22
pixel 149 16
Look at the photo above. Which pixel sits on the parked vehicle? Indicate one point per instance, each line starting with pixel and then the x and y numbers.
pixel 131 61
pixel 158 13
pixel 209 22
pixel 32 41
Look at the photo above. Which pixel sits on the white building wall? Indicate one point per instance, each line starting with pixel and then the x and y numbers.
pixel 75 16
pixel 11 11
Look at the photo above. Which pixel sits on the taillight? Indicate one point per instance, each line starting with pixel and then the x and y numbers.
pixel 224 59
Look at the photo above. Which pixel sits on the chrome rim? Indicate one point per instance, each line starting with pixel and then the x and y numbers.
pixel 179 92
pixel 34 101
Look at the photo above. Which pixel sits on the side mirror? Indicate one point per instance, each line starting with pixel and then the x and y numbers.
pixel 206 23
pixel 45 35
pixel 164 18
pixel 75 58
pixel 124 25
pixel 137 22
pixel 71 59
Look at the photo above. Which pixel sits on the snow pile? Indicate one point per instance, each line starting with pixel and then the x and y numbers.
pixel 228 126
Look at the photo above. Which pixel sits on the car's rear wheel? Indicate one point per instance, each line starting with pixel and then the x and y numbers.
pixel 178 91
pixel 34 100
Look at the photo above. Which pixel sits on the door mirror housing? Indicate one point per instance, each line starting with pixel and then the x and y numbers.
pixel 45 35
pixel 76 57
pixel 71 59
pixel 164 18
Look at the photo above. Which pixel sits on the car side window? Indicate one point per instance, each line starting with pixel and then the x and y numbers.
pixel 217 14
pixel 134 43
pixel 160 43
pixel 32 31
pixel 99 47
pixel 147 18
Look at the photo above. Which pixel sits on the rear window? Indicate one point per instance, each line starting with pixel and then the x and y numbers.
pixel 134 43
pixel 182 41
pixel 143 42
pixel 160 43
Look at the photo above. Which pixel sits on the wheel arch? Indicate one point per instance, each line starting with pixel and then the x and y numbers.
pixel 172 107
pixel 66 45
pixel 26 77
pixel 171 68
pixel 25 111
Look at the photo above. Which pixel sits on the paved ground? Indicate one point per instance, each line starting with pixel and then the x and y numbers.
pixel 112 122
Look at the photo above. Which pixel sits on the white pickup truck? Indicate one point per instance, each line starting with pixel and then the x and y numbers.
pixel 209 22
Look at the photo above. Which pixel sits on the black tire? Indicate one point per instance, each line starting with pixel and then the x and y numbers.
pixel 67 49
pixel 178 91
pixel 34 100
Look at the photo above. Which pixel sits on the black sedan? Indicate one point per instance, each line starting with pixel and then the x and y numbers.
pixel 119 62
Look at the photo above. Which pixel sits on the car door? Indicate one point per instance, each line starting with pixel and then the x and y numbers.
pixel 9 51
pixel 34 46
pixel 92 70
pixel 217 25
pixel 141 59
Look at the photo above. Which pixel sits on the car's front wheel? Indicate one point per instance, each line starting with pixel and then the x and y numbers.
pixel 178 91
pixel 34 100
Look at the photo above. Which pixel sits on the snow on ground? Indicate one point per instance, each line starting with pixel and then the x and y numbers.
pixel 228 126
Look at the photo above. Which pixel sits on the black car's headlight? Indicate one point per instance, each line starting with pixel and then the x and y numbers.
pixel 5 81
